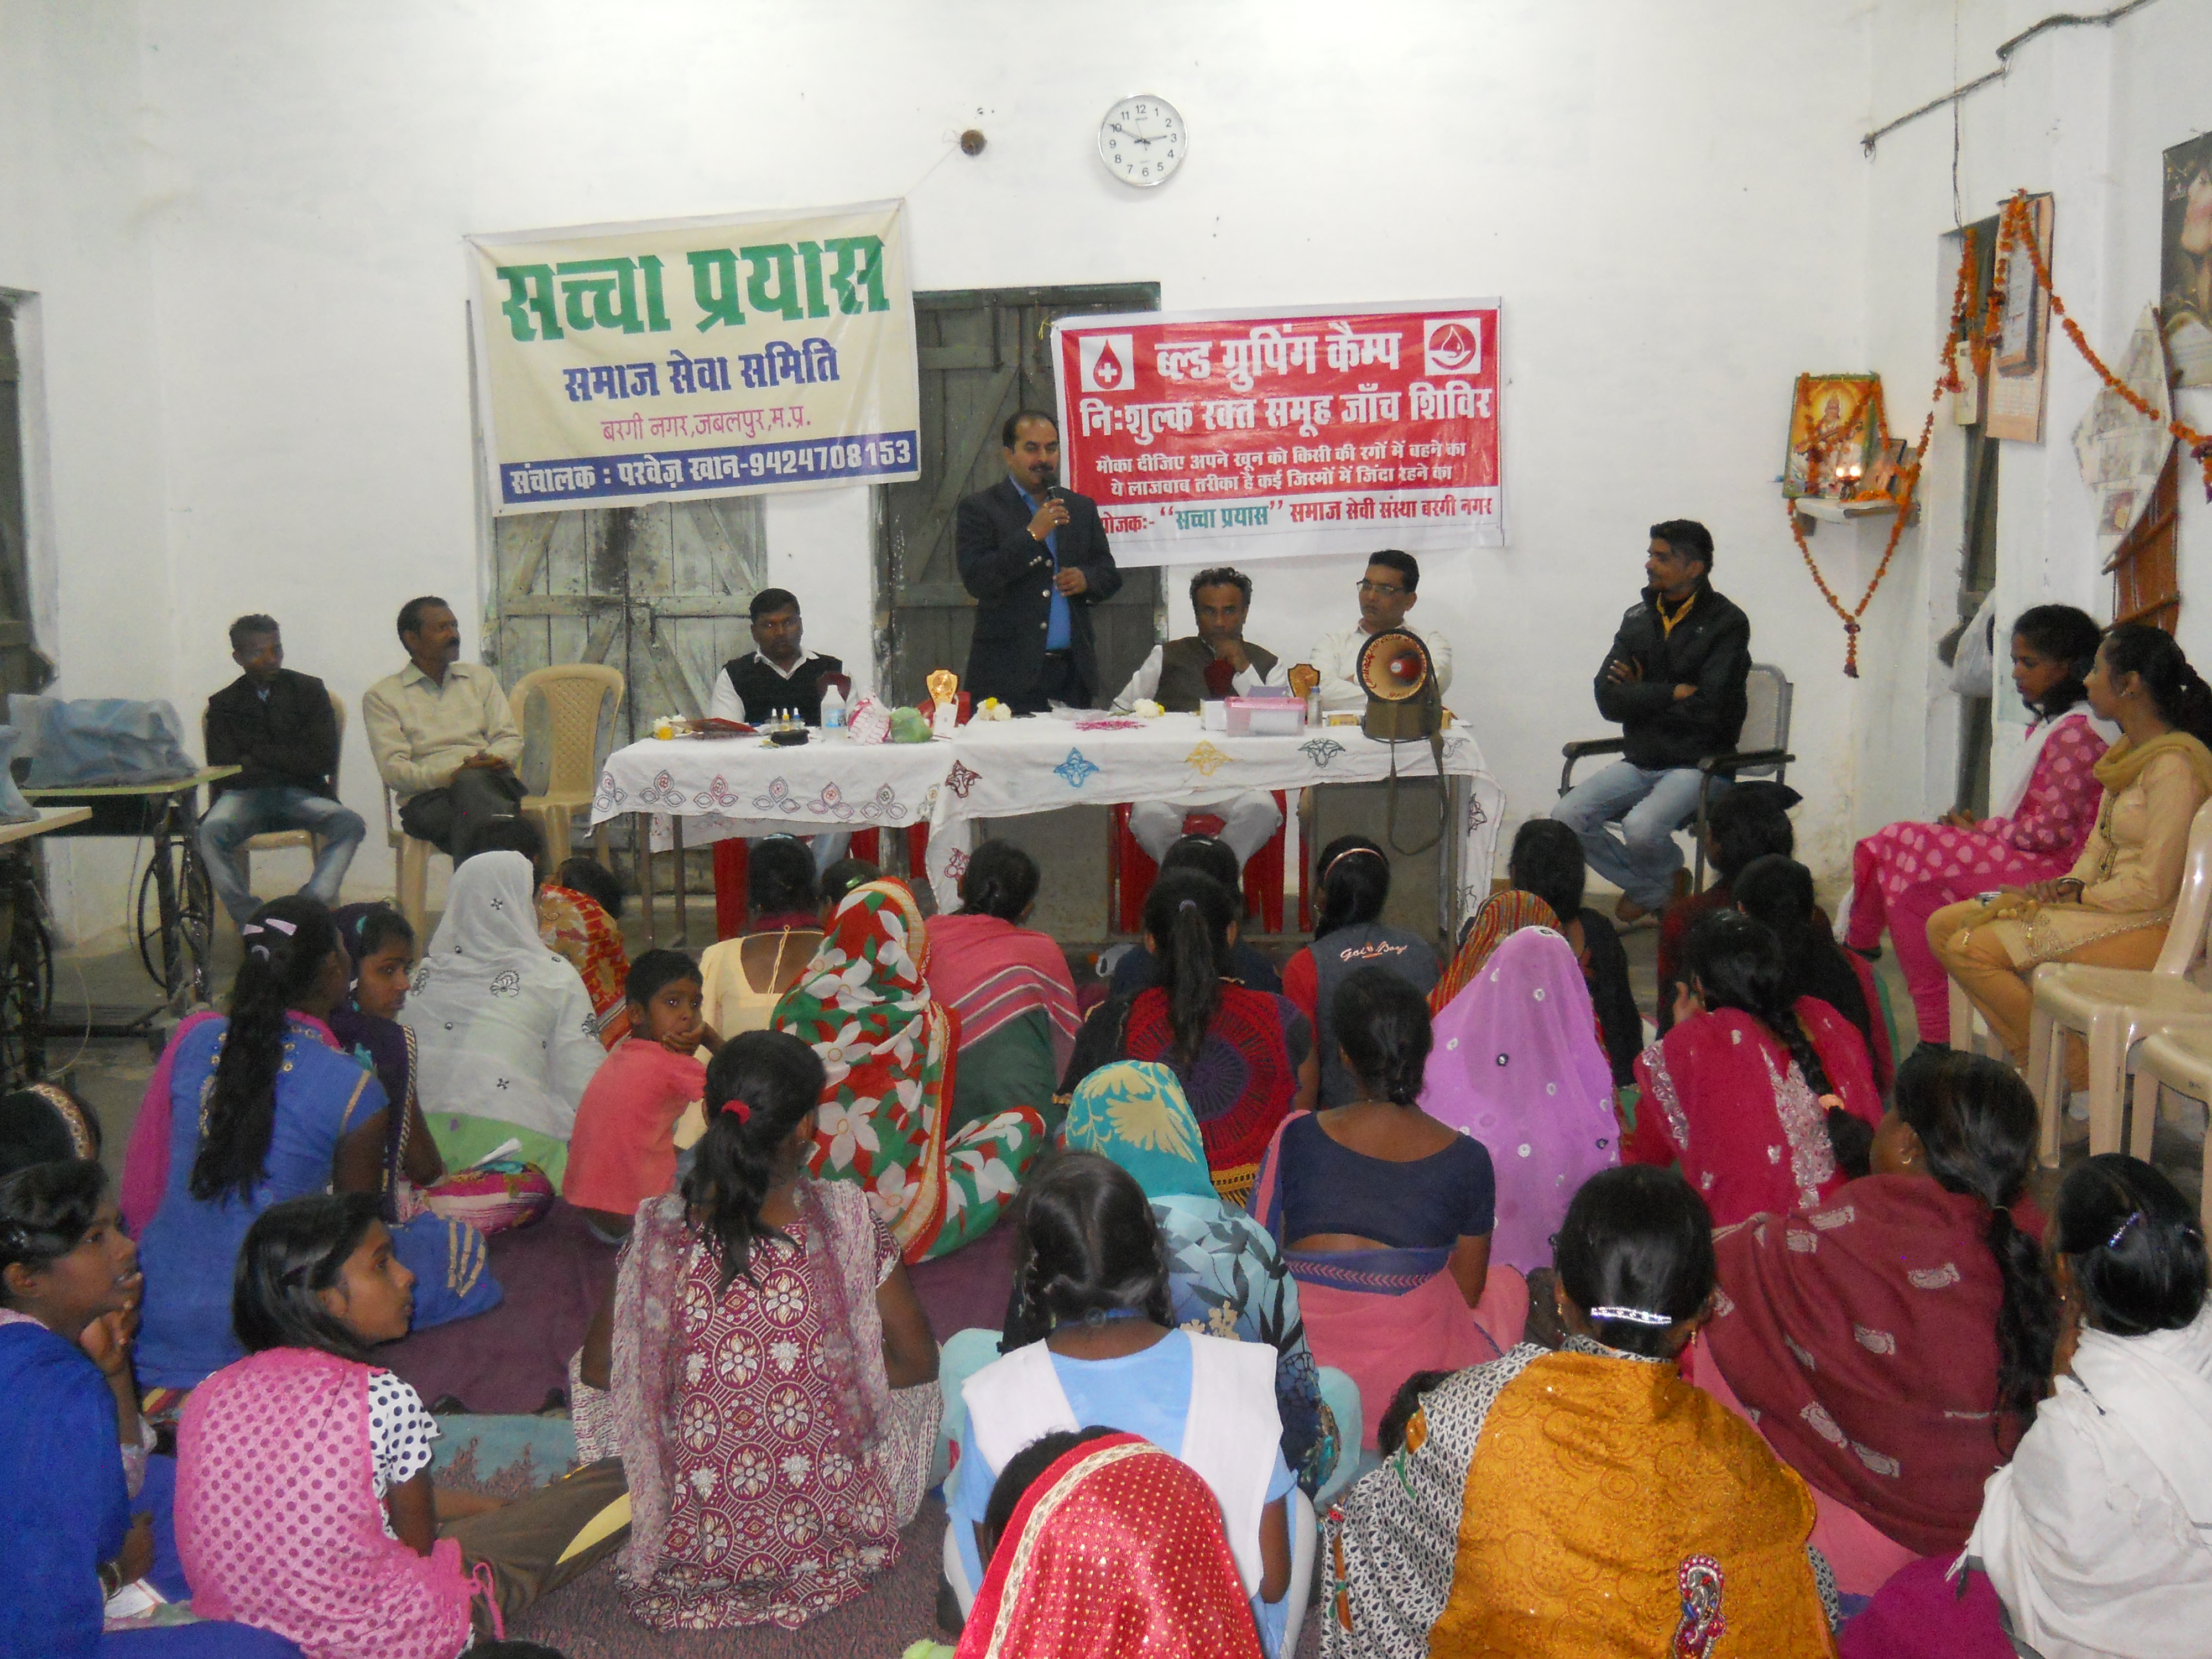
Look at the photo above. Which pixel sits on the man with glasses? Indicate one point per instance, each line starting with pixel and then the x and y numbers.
pixel 1216 662
pixel 1674 681
pixel 1386 594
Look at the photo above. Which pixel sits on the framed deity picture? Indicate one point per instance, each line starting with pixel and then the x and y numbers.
pixel 1835 423
pixel 2185 277
pixel 2016 365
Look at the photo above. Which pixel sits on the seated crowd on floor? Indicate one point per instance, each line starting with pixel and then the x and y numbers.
pixel 1453 1304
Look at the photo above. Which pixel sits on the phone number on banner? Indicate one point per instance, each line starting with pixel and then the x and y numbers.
pixel 865 456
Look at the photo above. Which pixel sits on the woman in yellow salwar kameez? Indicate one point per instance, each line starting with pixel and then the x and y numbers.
pixel 1587 1502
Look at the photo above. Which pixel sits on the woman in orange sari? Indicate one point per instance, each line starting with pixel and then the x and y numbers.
pixel 1588 1501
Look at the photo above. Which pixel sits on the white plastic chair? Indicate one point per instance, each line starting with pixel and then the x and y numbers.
pixel 2115 1008
pixel 2182 1060
pixel 576 697
pixel 412 886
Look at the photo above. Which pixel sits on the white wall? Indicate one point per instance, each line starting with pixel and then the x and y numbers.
pixel 243 221
pixel 1667 199
pixel 2083 113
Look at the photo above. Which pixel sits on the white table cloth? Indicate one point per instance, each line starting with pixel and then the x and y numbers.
pixel 995 770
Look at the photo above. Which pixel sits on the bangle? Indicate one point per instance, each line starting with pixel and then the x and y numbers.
pixel 110 1579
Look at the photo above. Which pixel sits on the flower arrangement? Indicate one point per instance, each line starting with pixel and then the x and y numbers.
pixel 2015 230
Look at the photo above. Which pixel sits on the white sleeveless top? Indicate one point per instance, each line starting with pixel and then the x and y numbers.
pixel 1231 1434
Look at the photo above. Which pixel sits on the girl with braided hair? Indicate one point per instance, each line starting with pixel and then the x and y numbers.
pixel 264 1106
pixel 1768 1104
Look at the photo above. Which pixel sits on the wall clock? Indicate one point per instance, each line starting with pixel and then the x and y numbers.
pixel 1142 139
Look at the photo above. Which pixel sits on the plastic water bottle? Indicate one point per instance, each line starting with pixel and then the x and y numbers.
pixel 833 709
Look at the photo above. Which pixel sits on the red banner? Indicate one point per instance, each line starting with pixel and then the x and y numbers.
pixel 1258 435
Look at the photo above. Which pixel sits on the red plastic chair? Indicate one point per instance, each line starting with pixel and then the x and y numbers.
pixel 1264 871
pixel 731 865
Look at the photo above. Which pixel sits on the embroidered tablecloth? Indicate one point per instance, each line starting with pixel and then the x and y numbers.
pixel 745 786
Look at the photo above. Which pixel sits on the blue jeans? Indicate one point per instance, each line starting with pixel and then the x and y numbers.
pixel 239 815
pixel 1641 858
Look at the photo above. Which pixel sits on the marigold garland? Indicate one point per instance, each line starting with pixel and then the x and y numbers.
pixel 2015 229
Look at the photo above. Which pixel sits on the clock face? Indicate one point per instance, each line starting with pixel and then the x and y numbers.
pixel 1142 139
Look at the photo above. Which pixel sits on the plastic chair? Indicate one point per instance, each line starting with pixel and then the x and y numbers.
pixel 273 841
pixel 578 696
pixel 732 865
pixel 1265 872
pixel 2115 1008
pixel 1761 750
pixel 411 885
pixel 2182 1060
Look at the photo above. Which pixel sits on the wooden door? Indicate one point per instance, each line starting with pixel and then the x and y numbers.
pixel 984 354
pixel 658 591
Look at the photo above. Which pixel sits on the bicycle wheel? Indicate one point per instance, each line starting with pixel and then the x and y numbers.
pixel 194 931
pixel 27 988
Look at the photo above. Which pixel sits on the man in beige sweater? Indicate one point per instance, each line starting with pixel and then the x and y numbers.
pixel 443 737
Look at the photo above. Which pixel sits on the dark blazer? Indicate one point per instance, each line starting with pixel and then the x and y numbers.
pixel 291 740
pixel 1711 649
pixel 1010 576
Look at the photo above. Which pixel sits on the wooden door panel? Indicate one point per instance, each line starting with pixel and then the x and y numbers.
pixel 983 354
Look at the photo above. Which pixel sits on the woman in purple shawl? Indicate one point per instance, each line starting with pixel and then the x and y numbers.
pixel 1517 1065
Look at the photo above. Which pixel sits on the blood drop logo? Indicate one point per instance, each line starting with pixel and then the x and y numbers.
pixel 1452 345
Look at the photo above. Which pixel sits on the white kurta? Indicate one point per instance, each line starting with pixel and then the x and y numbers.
pixel 2098 1535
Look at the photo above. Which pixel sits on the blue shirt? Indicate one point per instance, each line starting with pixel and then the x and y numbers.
pixel 1057 631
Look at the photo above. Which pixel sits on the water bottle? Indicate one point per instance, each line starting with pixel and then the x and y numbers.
pixel 833 709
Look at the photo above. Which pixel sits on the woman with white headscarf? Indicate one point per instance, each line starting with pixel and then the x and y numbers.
pixel 504 1033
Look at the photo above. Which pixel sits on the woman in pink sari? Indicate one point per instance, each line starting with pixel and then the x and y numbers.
pixel 1517 1065
pixel 2043 807
pixel 1766 1103
pixel 1385 1215
pixel 1011 997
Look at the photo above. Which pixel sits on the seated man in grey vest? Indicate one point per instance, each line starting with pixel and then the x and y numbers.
pixel 1218 661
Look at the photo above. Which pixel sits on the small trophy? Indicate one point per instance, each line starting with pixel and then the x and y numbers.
pixel 944 694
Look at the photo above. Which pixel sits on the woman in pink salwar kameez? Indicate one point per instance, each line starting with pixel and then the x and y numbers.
pixel 2045 804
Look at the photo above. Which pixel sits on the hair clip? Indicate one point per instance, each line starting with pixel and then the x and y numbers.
pixel 1633 1315
pixel 737 1109
pixel 2121 1231
pixel 258 952
pixel 285 928
pixel 1187 904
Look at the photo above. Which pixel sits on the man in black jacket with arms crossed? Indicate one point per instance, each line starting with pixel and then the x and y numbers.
pixel 1674 681
pixel 280 728
pixel 1036 558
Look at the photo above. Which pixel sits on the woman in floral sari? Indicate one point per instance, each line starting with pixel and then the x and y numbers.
pixel 863 1004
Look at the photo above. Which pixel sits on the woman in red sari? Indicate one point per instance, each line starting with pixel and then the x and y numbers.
pixel 1115 1551
pixel 1245 1058
pixel 1890 1344
pixel 1766 1104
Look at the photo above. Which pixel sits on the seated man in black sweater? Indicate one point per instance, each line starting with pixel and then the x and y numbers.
pixel 279 728
pixel 779 673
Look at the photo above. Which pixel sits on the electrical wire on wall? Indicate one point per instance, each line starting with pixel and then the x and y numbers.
pixel 2061 20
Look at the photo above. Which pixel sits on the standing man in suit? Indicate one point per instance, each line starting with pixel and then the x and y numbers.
pixel 1036 558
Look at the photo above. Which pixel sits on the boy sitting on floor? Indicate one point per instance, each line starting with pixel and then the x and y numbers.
pixel 624 1149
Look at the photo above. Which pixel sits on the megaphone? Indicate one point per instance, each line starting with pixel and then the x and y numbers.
pixel 1403 705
